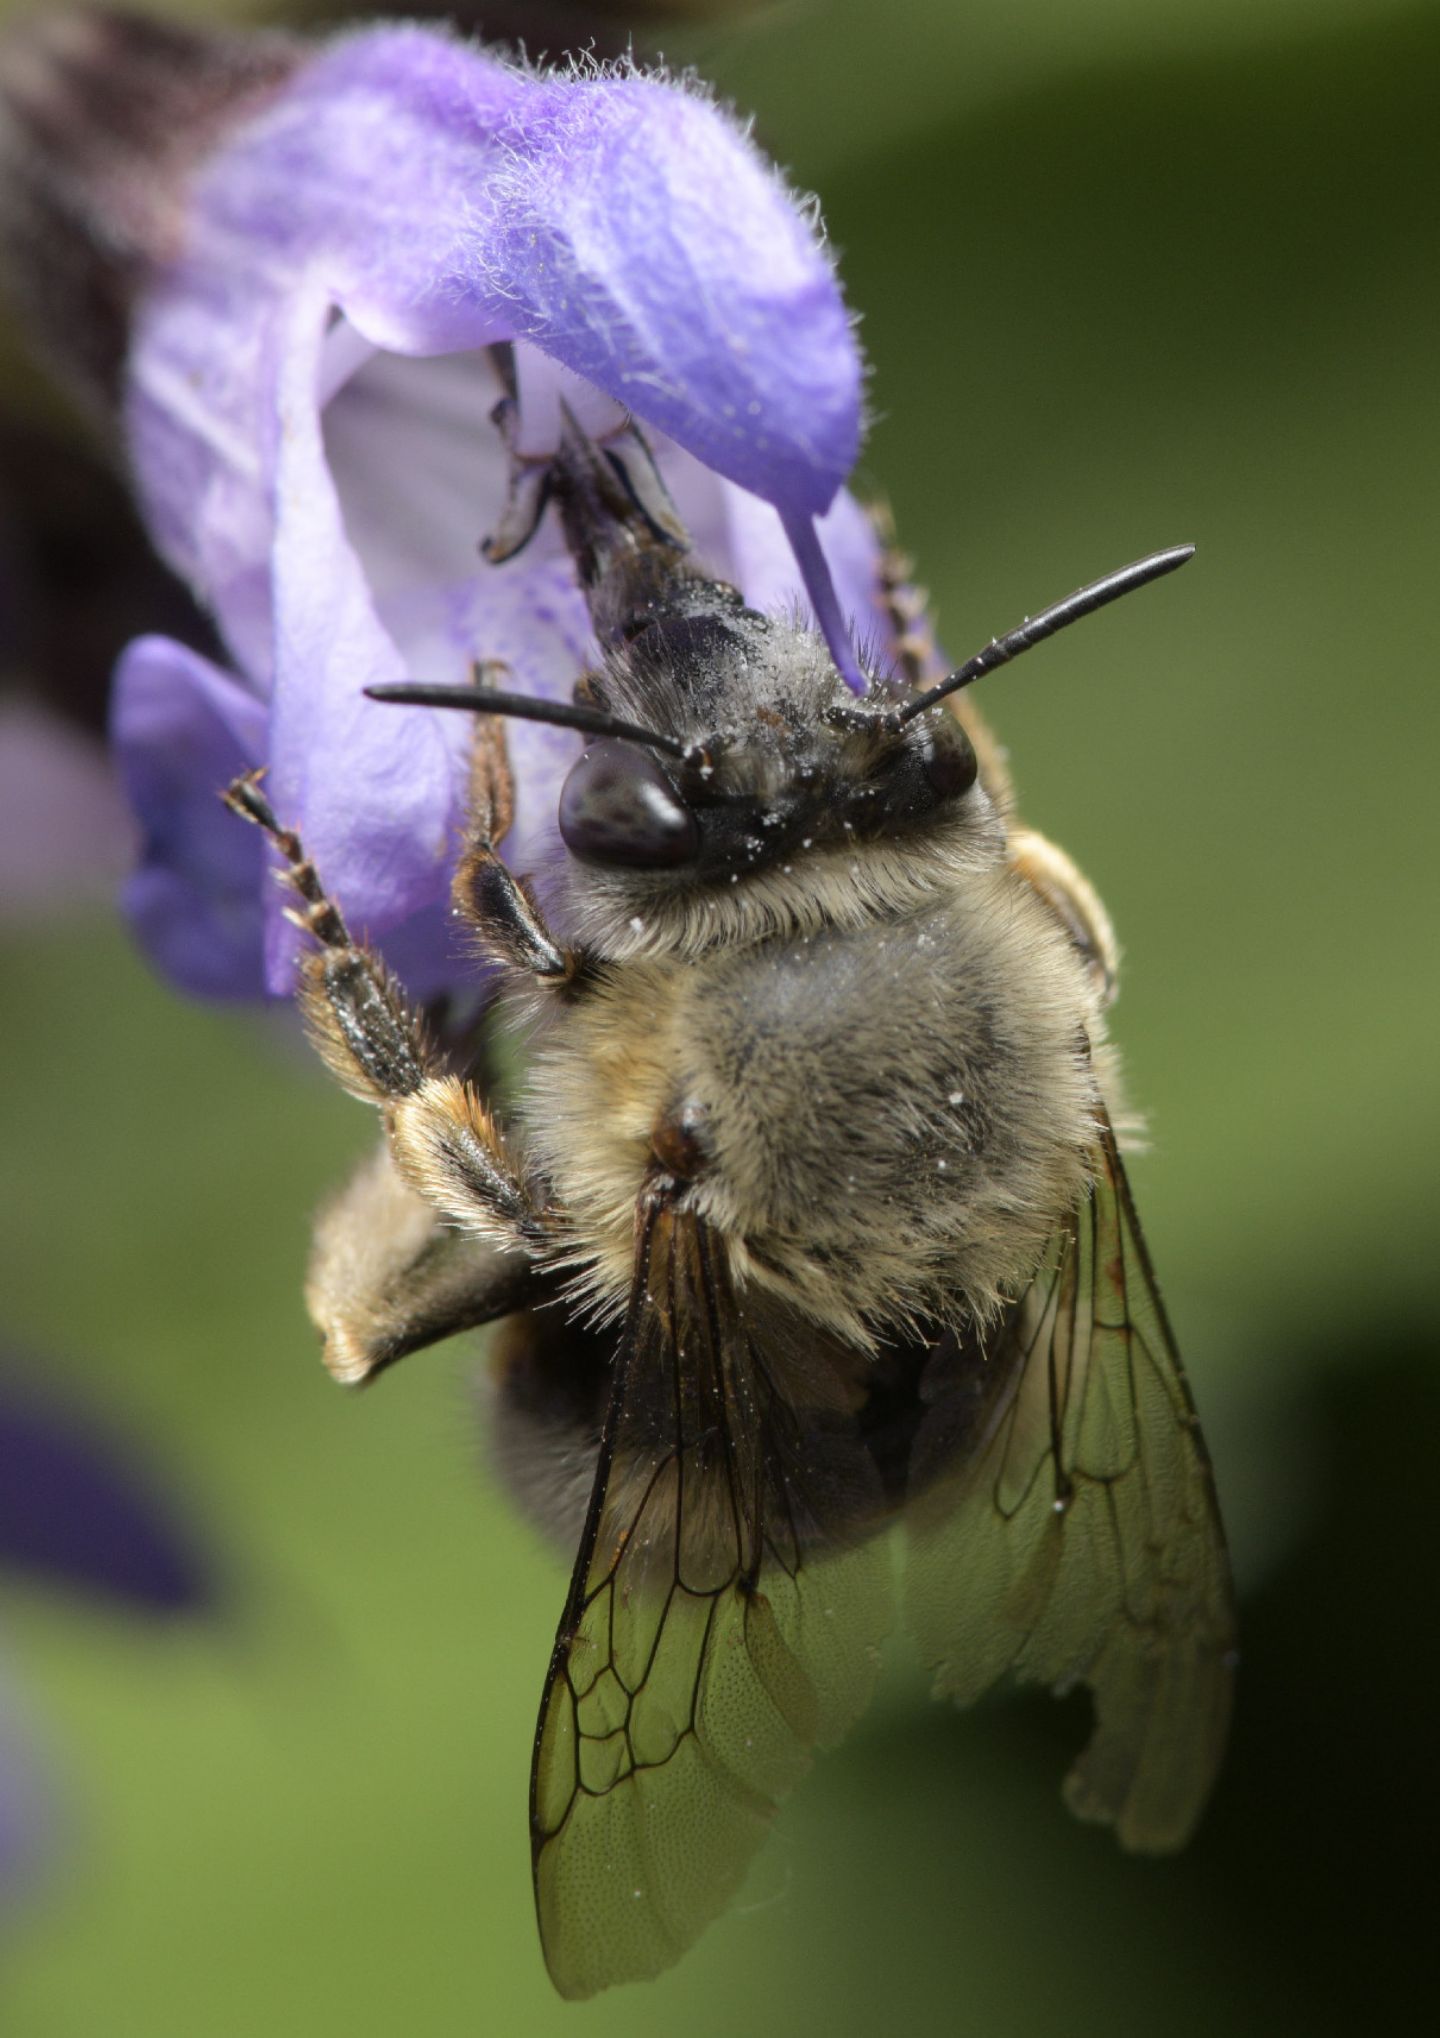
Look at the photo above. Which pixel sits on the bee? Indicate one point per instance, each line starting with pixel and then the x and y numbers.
pixel 811 1221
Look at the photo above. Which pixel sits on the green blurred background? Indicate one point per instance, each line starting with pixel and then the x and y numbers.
pixel 1131 272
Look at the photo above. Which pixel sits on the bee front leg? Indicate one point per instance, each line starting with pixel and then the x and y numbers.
pixel 445 1143
pixel 486 894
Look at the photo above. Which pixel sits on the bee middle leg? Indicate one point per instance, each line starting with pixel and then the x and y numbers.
pixel 388 1275
pixel 1075 903
pixel 445 1142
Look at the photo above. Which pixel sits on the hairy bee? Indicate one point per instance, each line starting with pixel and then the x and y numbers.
pixel 812 1220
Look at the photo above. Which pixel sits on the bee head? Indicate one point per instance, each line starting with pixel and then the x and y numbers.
pixel 761 763
pixel 735 787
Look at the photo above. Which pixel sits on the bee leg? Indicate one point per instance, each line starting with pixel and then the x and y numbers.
pixel 445 1143
pixel 528 491
pixel 486 894
pixel 1075 903
pixel 388 1275
pixel 918 659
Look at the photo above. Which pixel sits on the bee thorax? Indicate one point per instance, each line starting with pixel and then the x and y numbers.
pixel 882 1124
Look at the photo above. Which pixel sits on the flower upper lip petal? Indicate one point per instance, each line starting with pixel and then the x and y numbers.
pixel 448 200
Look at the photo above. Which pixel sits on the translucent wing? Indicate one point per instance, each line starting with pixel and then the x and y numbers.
pixel 723 1620
pixel 1065 1528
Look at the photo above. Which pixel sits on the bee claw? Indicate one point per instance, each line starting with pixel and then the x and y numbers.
pixel 244 797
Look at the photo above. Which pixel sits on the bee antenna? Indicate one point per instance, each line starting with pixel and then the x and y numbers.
pixel 1084 602
pixel 489 700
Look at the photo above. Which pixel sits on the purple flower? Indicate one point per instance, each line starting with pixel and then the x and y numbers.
pixel 76 1512
pixel 308 404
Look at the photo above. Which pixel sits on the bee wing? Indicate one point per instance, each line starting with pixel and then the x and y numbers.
pixel 1065 1528
pixel 706 1646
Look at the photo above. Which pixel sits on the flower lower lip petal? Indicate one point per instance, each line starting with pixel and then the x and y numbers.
pixel 180 727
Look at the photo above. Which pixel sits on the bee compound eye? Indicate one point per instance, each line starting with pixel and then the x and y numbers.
pixel 951 766
pixel 618 807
